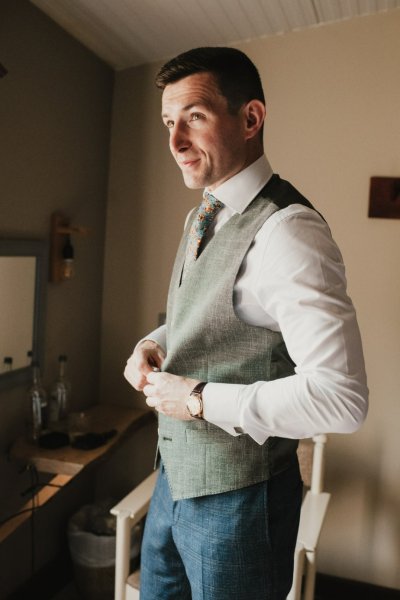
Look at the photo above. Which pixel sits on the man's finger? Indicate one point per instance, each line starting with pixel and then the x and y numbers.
pixel 150 401
pixel 153 376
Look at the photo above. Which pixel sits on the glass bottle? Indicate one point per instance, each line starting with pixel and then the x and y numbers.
pixel 8 364
pixel 38 403
pixel 60 393
pixel 67 266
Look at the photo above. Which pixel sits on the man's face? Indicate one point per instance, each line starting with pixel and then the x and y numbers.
pixel 207 142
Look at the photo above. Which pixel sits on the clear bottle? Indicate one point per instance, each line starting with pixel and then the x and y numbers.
pixel 68 265
pixel 7 364
pixel 38 403
pixel 60 393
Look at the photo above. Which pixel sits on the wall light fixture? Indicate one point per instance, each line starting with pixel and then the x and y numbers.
pixel 62 260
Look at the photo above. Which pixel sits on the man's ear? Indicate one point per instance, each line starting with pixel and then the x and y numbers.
pixel 254 112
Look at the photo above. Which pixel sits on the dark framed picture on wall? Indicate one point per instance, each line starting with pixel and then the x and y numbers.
pixel 384 197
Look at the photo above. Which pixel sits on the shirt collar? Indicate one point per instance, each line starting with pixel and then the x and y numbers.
pixel 238 191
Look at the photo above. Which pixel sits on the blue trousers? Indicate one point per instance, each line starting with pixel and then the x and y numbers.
pixel 232 546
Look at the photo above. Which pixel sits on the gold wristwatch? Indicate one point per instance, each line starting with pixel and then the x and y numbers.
pixel 194 403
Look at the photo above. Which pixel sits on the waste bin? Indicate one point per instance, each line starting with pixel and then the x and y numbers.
pixel 91 541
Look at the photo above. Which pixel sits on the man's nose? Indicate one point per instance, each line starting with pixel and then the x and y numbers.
pixel 179 139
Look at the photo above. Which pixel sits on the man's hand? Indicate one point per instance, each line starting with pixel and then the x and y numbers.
pixel 146 357
pixel 168 394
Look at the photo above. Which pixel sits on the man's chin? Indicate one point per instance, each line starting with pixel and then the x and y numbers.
pixel 193 184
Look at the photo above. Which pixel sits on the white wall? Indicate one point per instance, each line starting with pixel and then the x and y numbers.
pixel 333 97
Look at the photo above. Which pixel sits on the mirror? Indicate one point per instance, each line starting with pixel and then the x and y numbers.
pixel 23 276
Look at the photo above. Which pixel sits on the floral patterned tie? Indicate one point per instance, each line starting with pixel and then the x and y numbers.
pixel 205 214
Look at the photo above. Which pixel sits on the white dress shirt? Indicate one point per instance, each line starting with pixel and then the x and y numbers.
pixel 292 280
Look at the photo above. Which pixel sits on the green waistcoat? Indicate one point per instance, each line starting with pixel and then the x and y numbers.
pixel 207 341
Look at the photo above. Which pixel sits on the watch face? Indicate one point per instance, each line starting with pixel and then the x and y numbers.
pixel 194 406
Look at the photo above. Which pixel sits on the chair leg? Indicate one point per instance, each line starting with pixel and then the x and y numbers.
pixel 309 587
pixel 122 554
pixel 298 569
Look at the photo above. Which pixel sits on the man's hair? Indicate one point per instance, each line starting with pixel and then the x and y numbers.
pixel 236 76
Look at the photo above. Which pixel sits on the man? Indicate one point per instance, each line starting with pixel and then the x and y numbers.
pixel 261 348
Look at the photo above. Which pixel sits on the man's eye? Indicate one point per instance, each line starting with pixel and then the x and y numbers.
pixel 169 124
pixel 195 116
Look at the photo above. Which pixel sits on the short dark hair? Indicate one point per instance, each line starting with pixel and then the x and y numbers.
pixel 237 77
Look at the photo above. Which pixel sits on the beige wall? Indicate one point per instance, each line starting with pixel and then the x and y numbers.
pixel 55 109
pixel 333 96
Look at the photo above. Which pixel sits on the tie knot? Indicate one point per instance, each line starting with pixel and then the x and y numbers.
pixel 209 207
pixel 205 214
pixel 210 199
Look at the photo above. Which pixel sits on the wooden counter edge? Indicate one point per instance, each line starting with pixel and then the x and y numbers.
pixel 69 460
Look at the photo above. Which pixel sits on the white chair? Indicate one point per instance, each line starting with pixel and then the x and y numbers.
pixel 134 506
pixel 313 511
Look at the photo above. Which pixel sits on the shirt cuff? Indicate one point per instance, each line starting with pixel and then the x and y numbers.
pixel 159 336
pixel 222 407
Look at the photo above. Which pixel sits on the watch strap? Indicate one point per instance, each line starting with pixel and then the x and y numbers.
pixel 197 391
pixel 198 388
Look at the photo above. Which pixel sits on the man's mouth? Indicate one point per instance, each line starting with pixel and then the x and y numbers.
pixel 188 163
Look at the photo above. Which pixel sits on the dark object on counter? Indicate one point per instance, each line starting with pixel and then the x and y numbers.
pixel 53 439
pixel 89 441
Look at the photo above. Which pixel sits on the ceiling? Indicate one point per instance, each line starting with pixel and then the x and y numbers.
pixel 127 33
